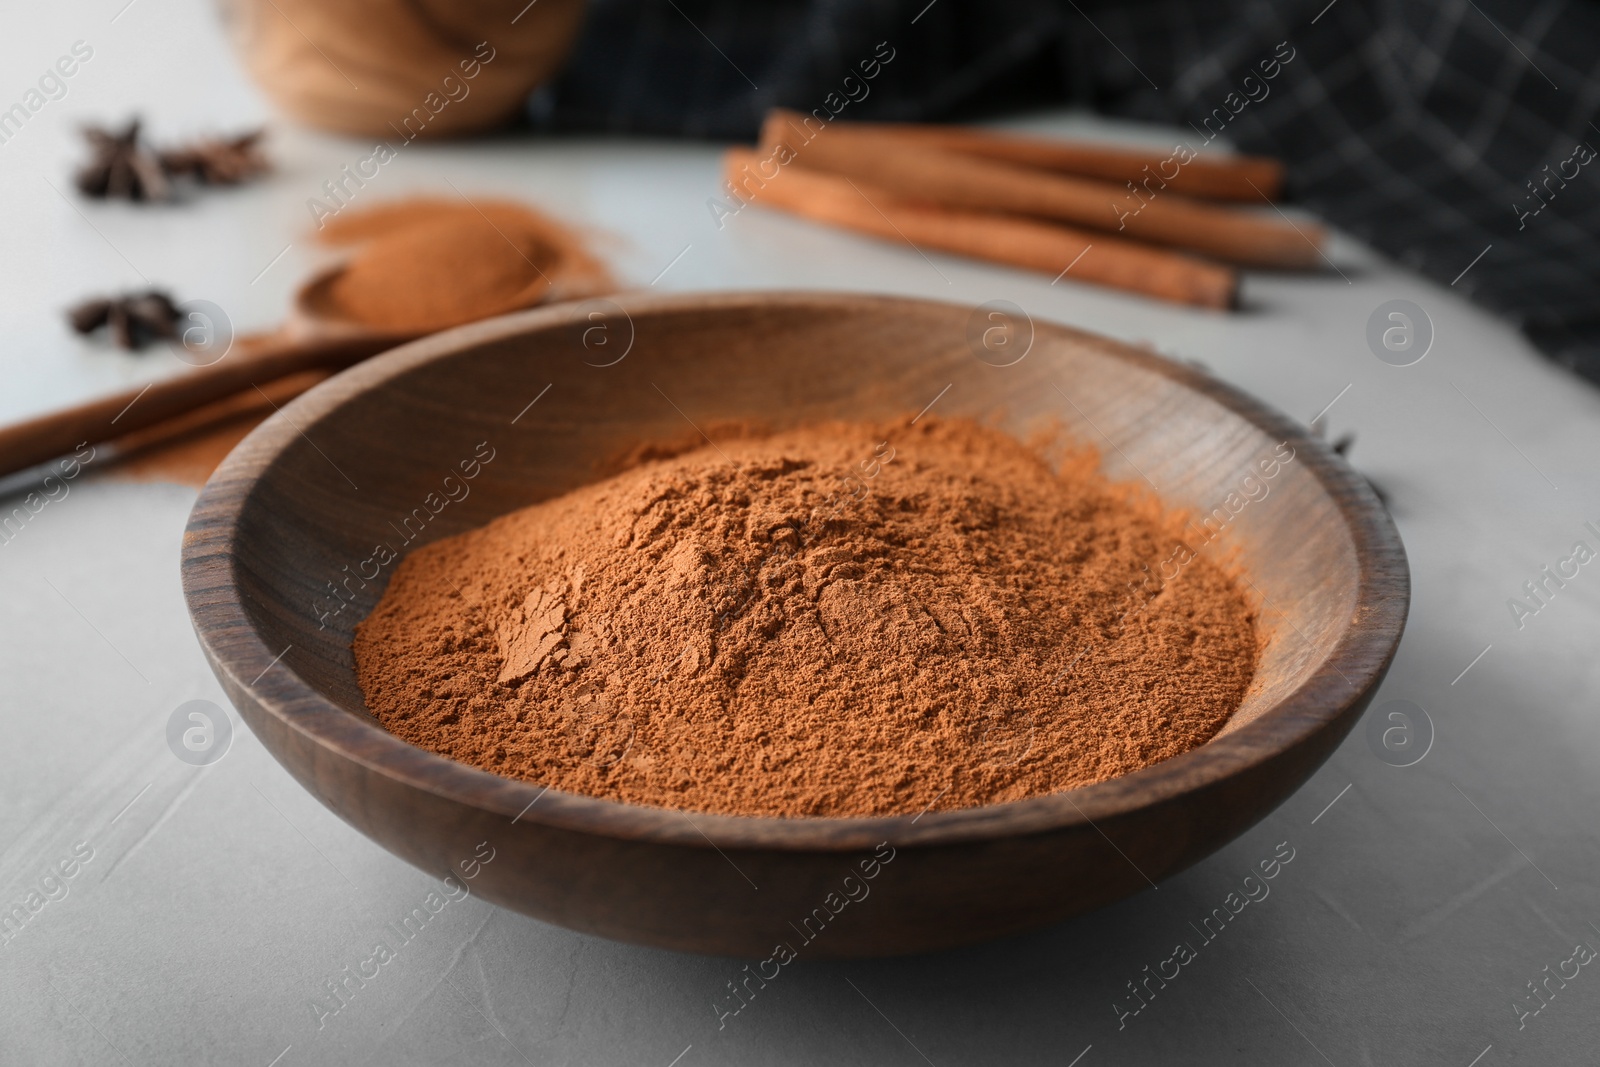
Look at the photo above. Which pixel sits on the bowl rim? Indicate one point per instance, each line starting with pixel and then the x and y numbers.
pixel 238 652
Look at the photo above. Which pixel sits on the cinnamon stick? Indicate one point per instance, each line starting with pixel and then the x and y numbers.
pixel 952 179
pixel 1245 179
pixel 1026 243
pixel 253 404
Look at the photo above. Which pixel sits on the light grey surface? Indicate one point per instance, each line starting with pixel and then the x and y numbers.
pixel 219 900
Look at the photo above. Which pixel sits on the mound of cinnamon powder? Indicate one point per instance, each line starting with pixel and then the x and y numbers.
pixel 425 264
pixel 841 620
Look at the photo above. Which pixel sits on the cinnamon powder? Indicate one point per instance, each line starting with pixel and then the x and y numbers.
pixel 426 264
pixel 841 620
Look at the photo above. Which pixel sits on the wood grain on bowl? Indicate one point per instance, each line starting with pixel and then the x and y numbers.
pixel 292 541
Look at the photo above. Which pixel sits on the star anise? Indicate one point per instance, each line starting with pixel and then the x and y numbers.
pixel 134 319
pixel 218 160
pixel 120 166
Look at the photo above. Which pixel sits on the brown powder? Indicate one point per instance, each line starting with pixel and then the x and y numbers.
pixel 187 448
pixel 841 620
pixel 426 264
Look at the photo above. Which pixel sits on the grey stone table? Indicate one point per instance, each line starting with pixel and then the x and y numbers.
pixel 1436 913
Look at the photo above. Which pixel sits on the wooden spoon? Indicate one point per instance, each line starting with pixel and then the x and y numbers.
pixel 313 336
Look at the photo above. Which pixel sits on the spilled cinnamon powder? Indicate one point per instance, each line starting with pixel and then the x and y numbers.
pixel 187 448
pixel 841 620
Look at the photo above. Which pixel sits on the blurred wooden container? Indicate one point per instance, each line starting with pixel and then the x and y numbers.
pixel 366 66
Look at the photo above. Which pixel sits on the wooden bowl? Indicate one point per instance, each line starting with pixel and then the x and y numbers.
pixel 395 70
pixel 278 567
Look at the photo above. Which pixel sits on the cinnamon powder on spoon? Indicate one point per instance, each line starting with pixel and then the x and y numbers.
pixel 426 264
pixel 841 620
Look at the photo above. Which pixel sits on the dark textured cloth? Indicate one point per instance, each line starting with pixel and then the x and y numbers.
pixel 1458 137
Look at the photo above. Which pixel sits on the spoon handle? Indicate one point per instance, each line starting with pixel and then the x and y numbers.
pixel 43 438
